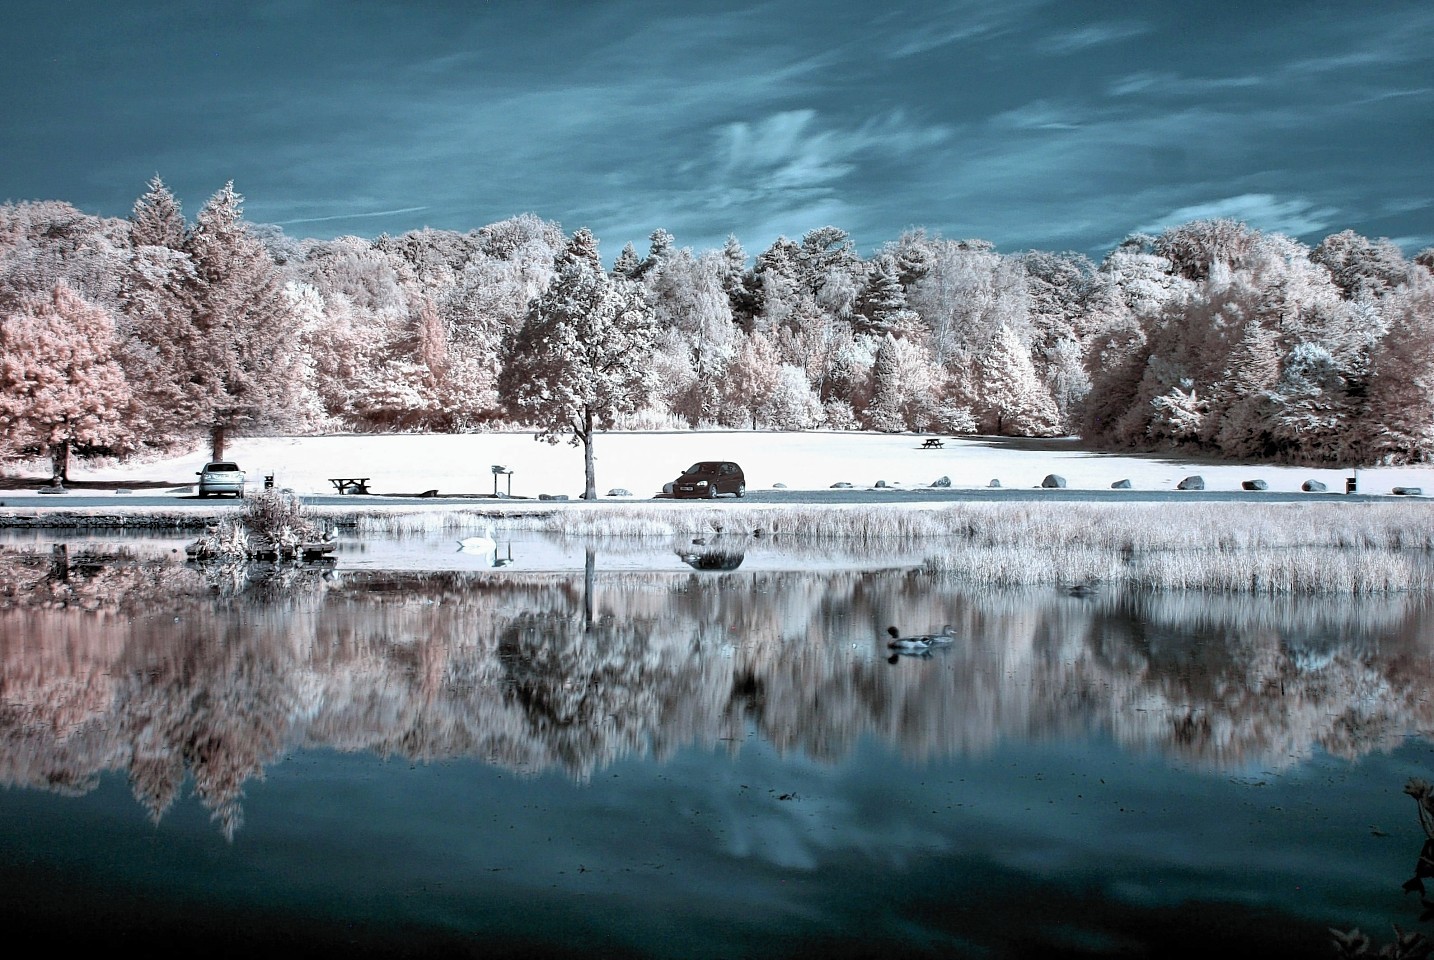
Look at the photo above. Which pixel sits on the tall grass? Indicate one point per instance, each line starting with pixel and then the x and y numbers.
pixel 1275 549
pixel 1138 527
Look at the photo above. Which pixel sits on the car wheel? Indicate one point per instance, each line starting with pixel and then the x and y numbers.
pixel 712 491
pixel 202 495
pixel 741 489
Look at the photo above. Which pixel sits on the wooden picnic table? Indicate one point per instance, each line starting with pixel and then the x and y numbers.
pixel 350 484
pixel 931 443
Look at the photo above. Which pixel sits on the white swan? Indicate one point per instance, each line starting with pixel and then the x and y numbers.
pixel 483 544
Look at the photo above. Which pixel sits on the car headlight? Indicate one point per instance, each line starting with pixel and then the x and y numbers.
pixel 702 483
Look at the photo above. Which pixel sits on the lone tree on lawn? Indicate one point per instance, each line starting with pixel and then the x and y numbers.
pixel 583 354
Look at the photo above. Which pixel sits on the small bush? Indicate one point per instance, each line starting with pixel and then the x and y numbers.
pixel 273 521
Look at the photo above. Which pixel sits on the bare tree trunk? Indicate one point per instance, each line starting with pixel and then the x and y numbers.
pixel 589 475
pixel 60 462
pixel 216 442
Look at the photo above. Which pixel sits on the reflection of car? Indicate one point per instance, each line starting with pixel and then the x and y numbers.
pixel 709 478
pixel 221 476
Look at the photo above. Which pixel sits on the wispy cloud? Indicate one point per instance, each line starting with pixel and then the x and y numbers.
pixel 960 23
pixel 351 216
pixel 1295 216
pixel 1040 115
pixel 1093 35
pixel 1172 84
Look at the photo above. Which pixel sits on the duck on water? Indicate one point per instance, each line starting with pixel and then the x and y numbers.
pixel 920 643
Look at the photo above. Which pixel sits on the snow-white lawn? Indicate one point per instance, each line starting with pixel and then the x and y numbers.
pixel 642 462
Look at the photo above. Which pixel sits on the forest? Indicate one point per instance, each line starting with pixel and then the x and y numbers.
pixel 121 336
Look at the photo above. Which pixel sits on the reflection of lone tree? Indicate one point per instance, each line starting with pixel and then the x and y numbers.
pixel 583 354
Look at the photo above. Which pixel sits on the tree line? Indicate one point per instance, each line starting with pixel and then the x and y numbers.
pixel 148 332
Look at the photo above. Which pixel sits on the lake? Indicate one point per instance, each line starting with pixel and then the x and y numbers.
pixel 671 749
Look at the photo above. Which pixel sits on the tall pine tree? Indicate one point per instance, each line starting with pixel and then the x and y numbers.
pixel 248 362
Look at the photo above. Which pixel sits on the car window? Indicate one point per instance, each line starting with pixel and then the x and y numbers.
pixel 221 467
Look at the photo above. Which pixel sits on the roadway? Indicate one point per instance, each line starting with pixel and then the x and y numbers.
pixel 106 501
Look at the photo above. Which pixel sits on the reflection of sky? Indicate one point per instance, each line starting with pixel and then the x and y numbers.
pixel 701 855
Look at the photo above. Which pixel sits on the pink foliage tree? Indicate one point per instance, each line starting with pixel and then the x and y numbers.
pixel 60 381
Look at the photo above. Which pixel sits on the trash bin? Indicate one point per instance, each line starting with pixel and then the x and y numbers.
pixel 1349 484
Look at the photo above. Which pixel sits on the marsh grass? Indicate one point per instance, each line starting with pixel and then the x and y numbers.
pixel 1287 548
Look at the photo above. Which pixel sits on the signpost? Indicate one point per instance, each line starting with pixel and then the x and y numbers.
pixel 501 471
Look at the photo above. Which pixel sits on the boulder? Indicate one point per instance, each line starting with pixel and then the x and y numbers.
pixel 880 484
pixel 1052 481
pixel 775 486
pixel 1312 486
pixel 1120 485
pixel 552 496
pixel 994 483
pixel 1407 491
pixel 1191 483
pixel 619 492
pixel 1255 485
pixel 841 485
pixel 941 482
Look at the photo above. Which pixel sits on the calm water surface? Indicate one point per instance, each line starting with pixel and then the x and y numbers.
pixel 676 750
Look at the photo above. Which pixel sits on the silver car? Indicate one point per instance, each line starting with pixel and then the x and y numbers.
pixel 221 476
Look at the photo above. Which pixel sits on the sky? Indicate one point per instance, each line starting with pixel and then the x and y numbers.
pixel 1032 124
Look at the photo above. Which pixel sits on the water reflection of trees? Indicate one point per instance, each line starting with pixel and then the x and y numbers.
pixel 149 669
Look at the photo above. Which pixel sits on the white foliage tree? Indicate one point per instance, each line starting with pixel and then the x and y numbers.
pixel 582 355
pixel 1010 399
pixel 793 405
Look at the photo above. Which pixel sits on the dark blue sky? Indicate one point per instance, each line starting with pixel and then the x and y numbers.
pixel 1045 124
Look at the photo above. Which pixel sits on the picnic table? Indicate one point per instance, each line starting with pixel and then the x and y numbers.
pixel 350 484
pixel 931 443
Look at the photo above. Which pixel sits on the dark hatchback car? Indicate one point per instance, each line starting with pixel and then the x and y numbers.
pixel 709 478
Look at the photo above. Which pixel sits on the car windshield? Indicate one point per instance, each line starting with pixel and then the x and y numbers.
pixel 222 467
pixel 707 466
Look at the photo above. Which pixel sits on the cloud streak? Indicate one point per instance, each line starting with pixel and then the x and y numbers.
pixel 351 216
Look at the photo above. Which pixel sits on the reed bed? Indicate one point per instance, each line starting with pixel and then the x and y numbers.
pixel 1402 525
pixel 1274 549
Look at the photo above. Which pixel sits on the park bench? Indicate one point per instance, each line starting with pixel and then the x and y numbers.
pixel 931 443
pixel 350 484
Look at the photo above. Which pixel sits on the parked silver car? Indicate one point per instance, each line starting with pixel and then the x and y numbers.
pixel 221 476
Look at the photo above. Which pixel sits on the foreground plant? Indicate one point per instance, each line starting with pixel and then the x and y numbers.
pixel 274 523
pixel 1408 944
